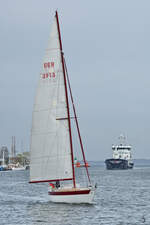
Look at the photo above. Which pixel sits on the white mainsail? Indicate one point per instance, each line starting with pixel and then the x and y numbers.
pixel 50 141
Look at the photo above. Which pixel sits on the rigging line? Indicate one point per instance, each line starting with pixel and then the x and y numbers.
pixel 77 124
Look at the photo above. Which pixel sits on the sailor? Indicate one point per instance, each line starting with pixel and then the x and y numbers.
pixel 57 184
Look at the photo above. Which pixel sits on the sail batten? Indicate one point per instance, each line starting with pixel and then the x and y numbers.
pixel 50 141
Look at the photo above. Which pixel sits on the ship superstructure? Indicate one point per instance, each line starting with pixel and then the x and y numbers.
pixel 122 157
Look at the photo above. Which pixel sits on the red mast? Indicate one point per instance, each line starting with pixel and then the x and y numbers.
pixel 67 101
pixel 77 124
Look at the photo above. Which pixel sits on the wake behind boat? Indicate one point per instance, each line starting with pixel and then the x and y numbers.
pixel 52 152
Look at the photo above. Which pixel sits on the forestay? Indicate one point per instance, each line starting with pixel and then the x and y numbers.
pixel 50 143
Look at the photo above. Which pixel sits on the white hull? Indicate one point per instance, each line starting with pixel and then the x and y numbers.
pixel 73 198
pixel 19 168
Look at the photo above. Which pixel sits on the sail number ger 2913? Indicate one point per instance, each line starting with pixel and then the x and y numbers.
pixel 48 74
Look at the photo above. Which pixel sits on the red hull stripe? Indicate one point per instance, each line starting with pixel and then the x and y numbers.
pixel 40 181
pixel 81 192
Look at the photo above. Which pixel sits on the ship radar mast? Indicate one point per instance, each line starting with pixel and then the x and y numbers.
pixel 122 139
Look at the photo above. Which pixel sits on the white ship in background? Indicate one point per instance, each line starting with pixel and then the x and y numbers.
pixel 122 157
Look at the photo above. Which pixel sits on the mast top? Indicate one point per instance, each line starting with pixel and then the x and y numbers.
pixel 58 30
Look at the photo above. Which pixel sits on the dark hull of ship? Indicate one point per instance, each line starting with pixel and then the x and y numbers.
pixel 118 164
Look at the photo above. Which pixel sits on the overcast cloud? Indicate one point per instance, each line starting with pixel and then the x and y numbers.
pixel 107 49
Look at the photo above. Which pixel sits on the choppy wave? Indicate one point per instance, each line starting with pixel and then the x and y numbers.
pixel 122 198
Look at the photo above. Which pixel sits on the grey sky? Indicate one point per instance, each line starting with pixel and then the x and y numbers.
pixel 107 49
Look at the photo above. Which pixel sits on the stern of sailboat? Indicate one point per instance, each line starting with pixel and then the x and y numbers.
pixel 72 195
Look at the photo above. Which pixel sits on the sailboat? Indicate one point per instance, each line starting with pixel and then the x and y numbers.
pixel 51 150
pixel 3 166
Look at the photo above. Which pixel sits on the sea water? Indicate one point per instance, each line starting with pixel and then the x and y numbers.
pixel 122 198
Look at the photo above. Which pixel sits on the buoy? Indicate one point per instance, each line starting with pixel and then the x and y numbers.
pixel 86 164
pixel 78 164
